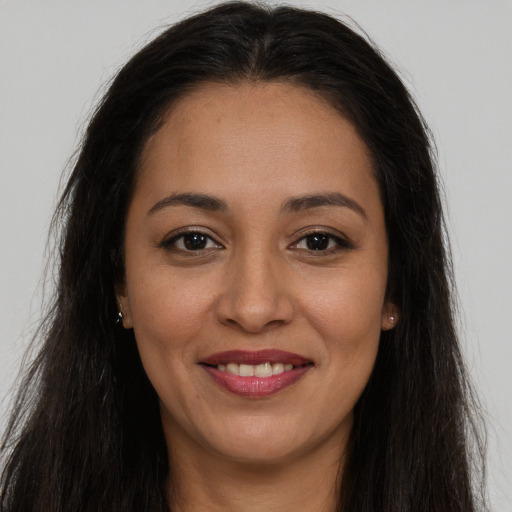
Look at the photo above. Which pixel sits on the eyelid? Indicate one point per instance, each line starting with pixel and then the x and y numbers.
pixel 343 242
pixel 169 239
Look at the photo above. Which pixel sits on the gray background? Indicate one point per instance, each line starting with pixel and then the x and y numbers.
pixel 455 55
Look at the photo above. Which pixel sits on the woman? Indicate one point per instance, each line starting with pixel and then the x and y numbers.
pixel 255 202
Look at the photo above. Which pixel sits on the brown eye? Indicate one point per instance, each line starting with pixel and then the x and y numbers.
pixel 195 241
pixel 191 241
pixel 317 242
pixel 321 242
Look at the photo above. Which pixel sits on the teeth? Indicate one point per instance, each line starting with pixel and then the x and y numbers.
pixel 233 368
pixel 263 370
pixel 277 368
pixel 246 370
pixel 259 370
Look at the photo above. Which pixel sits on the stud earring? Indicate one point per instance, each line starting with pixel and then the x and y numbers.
pixel 120 315
pixel 392 319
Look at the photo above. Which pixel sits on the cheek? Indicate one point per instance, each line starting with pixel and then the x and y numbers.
pixel 347 309
pixel 168 313
pixel 168 318
pixel 347 315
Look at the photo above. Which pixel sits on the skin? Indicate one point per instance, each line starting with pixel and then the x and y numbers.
pixel 256 285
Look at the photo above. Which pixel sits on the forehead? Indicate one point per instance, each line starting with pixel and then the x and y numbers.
pixel 255 138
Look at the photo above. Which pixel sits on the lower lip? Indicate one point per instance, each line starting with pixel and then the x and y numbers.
pixel 256 386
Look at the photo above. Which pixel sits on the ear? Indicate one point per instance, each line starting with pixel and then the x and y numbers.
pixel 390 315
pixel 123 306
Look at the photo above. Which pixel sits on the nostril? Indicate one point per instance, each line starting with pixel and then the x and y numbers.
pixel 251 326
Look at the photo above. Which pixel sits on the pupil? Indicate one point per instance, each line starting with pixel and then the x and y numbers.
pixel 317 242
pixel 194 241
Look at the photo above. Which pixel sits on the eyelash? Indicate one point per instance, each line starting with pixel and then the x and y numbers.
pixel 171 243
pixel 340 243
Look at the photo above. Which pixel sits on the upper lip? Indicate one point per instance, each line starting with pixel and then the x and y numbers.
pixel 255 357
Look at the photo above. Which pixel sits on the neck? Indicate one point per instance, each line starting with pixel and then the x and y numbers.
pixel 200 483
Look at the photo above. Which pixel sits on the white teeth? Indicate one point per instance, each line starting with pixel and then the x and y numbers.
pixel 259 370
pixel 277 368
pixel 246 370
pixel 263 370
pixel 233 368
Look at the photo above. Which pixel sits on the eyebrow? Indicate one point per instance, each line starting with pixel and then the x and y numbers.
pixel 295 204
pixel 301 203
pixel 202 201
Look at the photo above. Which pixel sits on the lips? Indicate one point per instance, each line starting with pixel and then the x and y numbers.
pixel 258 357
pixel 255 373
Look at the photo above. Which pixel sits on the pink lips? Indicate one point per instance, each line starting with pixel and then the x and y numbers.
pixel 255 386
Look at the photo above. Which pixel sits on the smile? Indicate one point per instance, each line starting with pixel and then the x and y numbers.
pixel 255 374
pixel 250 370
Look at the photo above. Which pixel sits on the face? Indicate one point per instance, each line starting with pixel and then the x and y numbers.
pixel 256 270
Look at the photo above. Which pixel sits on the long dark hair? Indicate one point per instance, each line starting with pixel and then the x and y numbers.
pixel 85 433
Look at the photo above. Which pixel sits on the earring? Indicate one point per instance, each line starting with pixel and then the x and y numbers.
pixel 120 315
pixel 392 319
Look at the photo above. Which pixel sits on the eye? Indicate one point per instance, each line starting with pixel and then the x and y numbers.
pixel 191 241
pixel 321 242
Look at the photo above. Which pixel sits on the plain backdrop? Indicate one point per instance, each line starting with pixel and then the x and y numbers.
pixel 455 56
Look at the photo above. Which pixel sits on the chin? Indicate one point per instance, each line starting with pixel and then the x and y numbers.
pixel 258 452
pixel 256 442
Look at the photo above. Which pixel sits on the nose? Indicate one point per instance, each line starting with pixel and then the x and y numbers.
pixel 257 294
